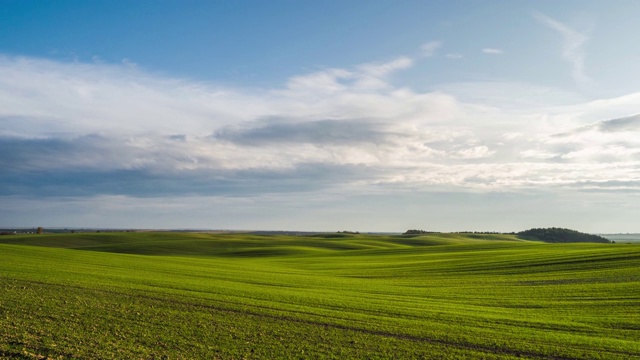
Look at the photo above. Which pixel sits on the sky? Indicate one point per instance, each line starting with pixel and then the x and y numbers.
pixel 320 115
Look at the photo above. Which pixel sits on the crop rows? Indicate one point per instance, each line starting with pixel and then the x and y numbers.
pixel 155 295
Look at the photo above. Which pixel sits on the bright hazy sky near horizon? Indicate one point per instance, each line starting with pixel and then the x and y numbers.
pixel 320 115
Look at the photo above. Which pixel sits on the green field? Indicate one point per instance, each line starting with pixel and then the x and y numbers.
pixel 233 296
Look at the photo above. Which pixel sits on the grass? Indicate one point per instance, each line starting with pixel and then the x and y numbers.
pixel 182 295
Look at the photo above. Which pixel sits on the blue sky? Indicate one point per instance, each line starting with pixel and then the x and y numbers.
pixel 333 115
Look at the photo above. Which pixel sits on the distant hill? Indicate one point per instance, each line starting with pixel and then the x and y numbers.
pixel 418 232
pixel 560 235
pixel 623 238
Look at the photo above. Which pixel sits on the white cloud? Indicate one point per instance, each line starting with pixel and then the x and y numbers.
pixel 537 154
pixel 324 82
pixel 353 124
pixel 384 69
pixel 492 51
pixel 82 98
pixel 370 76
pixel 373 75
pixel 454 56
pixel 429 49
pixel 573 47
pixel 128 62
pixel 476 152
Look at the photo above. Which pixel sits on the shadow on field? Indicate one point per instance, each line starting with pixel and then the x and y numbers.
pixel 243 244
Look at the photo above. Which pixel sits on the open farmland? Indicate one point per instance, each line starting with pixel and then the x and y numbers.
pixel 197 295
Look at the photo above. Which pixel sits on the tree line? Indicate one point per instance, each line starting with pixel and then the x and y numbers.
pixel 551 235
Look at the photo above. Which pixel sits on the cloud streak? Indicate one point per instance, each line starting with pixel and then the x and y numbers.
pixel 430 49
pixel 493 51
pixel 573 46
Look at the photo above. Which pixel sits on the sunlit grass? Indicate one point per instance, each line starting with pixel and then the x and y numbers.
pixel 145 295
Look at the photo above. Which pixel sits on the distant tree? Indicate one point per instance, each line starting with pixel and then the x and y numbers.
pixel 418 232
pixel 560 235
pixel 40 230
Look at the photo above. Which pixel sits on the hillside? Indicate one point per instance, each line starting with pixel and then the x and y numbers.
pixel 243 244
pixel 560 235
pixel 232 296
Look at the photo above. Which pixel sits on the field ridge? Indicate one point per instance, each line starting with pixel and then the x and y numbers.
pixel 360 296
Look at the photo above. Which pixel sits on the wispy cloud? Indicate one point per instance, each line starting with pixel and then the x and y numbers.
pixel 429 49
pixel 492 51
pixel 367 77
pixel 454 56
pixel 573 45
